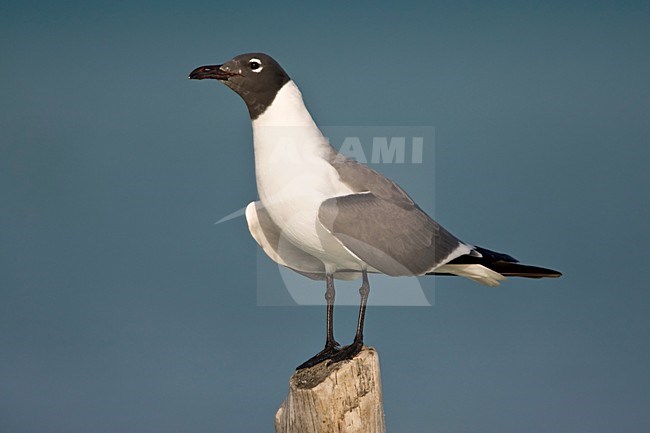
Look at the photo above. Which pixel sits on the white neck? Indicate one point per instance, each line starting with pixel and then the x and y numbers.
pixel 289 146
pixel 293 172
pixel 287 124
pixel 287 109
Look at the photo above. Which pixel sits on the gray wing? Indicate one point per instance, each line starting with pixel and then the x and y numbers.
pixel 383 226
pixel 361 178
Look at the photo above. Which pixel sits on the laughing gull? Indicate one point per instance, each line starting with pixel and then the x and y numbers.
pixel 327 216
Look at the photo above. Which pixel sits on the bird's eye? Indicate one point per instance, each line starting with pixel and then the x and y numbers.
pixel 256 65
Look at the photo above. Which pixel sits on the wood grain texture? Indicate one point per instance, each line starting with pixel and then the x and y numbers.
pixel 341 398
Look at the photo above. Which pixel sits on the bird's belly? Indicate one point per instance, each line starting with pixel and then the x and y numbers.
pixel 293 198
pixel 303 229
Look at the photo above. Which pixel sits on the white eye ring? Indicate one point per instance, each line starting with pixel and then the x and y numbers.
pixel 259 67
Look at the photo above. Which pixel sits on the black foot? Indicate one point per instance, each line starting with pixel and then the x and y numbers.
pixel 347 352
pixel 323 355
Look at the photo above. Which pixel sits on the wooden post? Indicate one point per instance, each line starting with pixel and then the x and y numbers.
pixel 341 398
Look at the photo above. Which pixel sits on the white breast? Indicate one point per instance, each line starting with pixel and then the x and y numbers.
pixel 294 176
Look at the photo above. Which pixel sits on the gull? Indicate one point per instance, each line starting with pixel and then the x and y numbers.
pixel 330 217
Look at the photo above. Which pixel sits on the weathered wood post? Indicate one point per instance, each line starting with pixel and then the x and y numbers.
pixel 341 398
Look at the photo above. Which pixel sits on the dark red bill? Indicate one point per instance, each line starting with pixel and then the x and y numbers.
pixel 212 72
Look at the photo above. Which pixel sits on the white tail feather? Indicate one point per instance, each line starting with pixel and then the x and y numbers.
pixel 478 273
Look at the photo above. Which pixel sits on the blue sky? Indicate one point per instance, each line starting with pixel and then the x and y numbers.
pixel 124 308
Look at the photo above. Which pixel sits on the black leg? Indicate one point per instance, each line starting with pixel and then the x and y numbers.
pixel 364 291
pixel 349 352
pixel 331 345
pixel 330 294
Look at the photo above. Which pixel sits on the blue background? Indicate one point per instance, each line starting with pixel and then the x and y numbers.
pixel 123 308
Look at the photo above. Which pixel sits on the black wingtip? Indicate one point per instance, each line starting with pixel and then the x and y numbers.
pixel 504 264
pixel 494 256
pixel 508 269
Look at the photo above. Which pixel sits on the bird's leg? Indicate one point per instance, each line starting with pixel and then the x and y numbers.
pixel 364 291
pixel 331 345
pixel 349 352
pixel 330 294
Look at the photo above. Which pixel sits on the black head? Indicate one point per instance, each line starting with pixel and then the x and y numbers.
pixel 256 77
